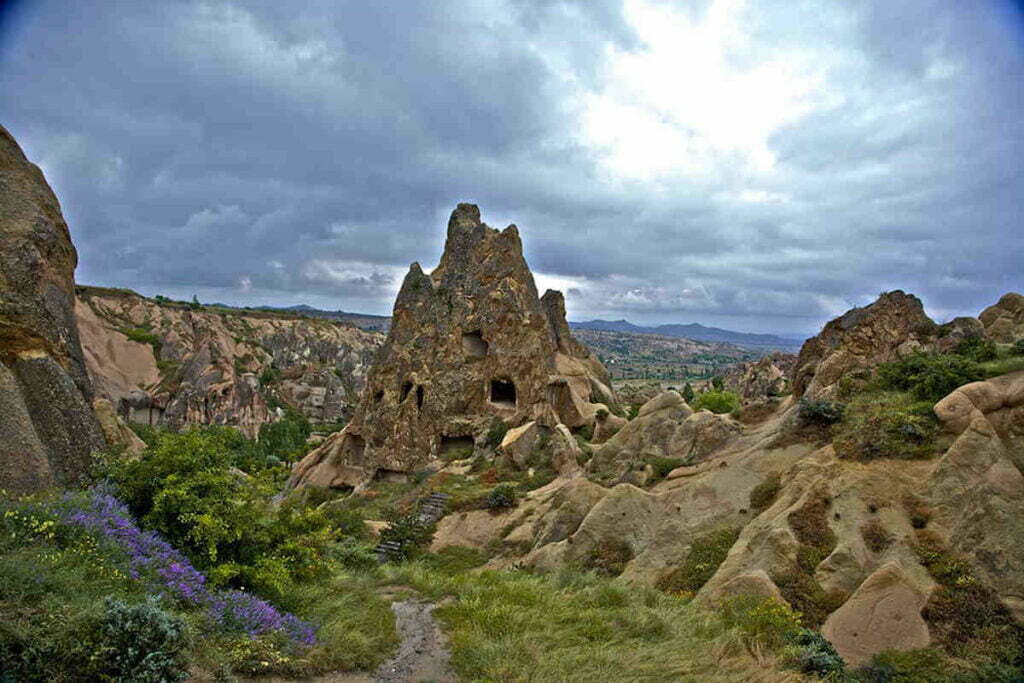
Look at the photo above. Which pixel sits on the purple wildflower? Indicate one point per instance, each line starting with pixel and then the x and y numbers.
pixel 151 558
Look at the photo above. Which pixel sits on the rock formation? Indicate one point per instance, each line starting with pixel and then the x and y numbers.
pixel 165 363
pixel 892 327
pixel 469 344
pixel 1004 321
pixel 47 428
pixel 762 378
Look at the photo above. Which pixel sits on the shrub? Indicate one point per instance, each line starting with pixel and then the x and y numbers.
pixel 717 383
pixel 663 466
pixel 812 653
pixel 608 557
pixel 819 412
pixel 917 510
pixel 764 494
pixel 763 620
pixel 977 349
pixel 875 536
pixel 270 375
pixel 706 555
pixel 886 425
pixel 687 393
pixel 928 377
pixel 810 523
pixel 496 433
pixel 1018 347
pixel 717 402
pixel 501 496
pixel 911 666
pixel 143 643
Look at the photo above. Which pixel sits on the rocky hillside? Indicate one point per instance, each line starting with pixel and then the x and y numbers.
pixel 884 501
pixel 169 363
pixel 47 427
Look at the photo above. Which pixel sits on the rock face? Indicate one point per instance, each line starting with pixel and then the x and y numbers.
pixel 165 363
pixel 858 340
pixel 1004 321
pixel 761 379
pixel 665 427
pixel 469 344
pixel 47 428
pixel 977 488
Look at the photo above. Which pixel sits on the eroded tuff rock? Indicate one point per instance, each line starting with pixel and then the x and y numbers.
pixel 665 427
pixel 214 366
pixel 977 487
pixel 469 344
pixel 47 428
pixel 1004 321
pixel 762 378
pixel 890 328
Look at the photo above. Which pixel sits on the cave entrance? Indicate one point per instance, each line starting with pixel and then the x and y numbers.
pixel 456 447
pixel 503 393
pixel 474 345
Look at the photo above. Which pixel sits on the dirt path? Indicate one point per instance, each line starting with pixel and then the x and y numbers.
pixel 421 657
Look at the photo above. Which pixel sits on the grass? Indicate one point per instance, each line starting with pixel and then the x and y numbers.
pixel 570 626
pixel 764 494
pixel 886 424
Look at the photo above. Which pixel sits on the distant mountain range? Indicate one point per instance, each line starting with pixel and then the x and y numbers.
pixel 695 331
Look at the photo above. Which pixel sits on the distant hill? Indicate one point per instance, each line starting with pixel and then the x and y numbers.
pixel 373 323
pixel 696 332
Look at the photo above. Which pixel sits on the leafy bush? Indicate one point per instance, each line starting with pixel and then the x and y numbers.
pixel 924 665
pixel 886 425
pixel 928 377
pixel 688 393
pixel 143 643
pixel 189 488
pixel 717 402
pixel 501 496
pixel 764 494
pixel 820 412
pixel 496 433
pixel 284 439
pixel 706 555
pixel 977 349
pixel 717 383
pixel 1018 347
pixel 917 510
pixel 812 653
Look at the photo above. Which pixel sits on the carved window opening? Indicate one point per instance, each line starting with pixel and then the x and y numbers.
pixel 378 396
pixel 419 397
pixel 503 393
pixel 474 345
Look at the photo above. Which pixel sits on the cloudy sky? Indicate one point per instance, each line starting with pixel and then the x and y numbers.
pixel 761 165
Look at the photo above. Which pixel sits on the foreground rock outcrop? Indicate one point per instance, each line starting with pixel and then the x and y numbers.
pixel 470 344
pixel 166 363
pixel 860 339
pixel 47 427
pixel 1004 321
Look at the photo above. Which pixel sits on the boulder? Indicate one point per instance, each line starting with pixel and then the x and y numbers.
pixel 470 344
pixel 892 327
pixel 1004 320
pixel 117 433
pixel 606 425
pixel 761 379
pixel 883 614
pixel 47 428
pixel 519 443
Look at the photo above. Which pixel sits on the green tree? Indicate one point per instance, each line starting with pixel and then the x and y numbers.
pixel 688 394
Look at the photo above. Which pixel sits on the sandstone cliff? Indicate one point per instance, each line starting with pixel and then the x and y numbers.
pixel 47 428
pixel 1004 321
pixel 469 344
pixel 167 363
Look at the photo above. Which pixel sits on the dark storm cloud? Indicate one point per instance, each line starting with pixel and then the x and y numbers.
pixel 301 151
